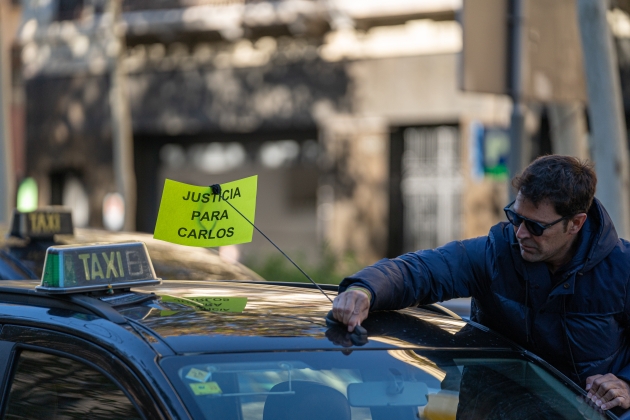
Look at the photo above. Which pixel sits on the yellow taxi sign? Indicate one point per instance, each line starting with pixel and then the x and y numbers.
pixel 42 223
pixel 99 266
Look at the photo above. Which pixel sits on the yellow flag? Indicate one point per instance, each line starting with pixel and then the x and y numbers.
pixel 194 216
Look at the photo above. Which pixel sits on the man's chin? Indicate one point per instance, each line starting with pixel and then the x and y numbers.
pixel 530 256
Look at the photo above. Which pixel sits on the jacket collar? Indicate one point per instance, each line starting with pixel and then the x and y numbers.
pixel 601 239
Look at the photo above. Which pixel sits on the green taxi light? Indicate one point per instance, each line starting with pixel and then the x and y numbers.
pixel 42 223
pixel 99 266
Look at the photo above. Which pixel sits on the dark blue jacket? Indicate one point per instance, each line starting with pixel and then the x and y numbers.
pixel 577 318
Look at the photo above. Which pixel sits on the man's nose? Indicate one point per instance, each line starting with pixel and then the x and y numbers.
pixel 521 231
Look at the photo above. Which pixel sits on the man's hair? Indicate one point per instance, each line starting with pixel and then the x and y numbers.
pixel 565 181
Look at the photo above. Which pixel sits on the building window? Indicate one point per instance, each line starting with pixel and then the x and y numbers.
pixel 431 187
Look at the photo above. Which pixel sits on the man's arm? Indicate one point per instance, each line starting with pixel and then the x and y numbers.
pixel 421 277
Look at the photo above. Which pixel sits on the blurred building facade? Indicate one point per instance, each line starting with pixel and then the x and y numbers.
pixel 348 111
pixel 10 20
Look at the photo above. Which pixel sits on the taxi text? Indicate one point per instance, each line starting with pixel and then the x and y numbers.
pixel 94 262
pixel 44 222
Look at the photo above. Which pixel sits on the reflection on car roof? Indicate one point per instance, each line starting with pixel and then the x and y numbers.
pixel 285 311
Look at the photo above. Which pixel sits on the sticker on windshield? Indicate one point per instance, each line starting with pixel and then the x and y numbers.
pixel 195 216
pixel 210 303
pixel 206 388
pixel 198 375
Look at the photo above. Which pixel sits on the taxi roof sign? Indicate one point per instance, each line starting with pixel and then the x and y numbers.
pixel 42 223
pixel 98 266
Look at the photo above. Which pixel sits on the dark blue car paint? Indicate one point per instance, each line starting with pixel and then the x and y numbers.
pixel 132 352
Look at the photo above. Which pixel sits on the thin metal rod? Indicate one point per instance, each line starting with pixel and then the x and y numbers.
pixel 517 119
pixel 282 252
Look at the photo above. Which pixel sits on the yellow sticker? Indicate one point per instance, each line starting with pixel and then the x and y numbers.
pixel 194 216
pixel 210 303
pixel 198 375
pixel 206 388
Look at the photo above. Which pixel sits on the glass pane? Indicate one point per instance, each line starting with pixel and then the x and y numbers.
pixel 379 385
pixel 52 387
pixel 516 389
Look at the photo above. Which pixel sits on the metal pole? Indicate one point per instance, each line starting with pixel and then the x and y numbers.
pixel 121 123
pixel 517 119
pixel 568 129
pixel 608 131
pixel 6 163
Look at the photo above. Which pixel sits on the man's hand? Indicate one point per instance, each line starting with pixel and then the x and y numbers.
pixel 351 308
pixel 608 391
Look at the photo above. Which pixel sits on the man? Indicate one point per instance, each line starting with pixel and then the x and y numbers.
pixel 555 278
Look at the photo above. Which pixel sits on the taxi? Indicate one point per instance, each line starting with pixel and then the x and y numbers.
pixel 102 337
pixel 24 244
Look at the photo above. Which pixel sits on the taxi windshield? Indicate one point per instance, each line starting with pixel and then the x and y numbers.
pixel 373 384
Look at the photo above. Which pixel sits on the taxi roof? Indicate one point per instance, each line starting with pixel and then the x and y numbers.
pixel 275 318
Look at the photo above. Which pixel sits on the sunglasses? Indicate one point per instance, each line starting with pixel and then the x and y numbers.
pixel 535 228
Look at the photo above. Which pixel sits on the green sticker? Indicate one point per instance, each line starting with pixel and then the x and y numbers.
pixel 206 388
pixel 194 216
pixel 210 303
pixel 181 301
pixel 221 303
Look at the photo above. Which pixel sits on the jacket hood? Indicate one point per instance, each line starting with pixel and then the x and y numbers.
pixel 598 237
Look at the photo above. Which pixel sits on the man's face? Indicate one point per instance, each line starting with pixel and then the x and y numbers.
pixel 554 245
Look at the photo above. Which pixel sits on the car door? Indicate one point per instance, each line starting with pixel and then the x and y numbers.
pixel 50 375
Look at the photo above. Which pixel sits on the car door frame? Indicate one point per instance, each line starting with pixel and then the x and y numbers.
pixel 15 338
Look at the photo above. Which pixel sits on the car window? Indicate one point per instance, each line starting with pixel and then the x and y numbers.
pixel 47 386
pixel 374 384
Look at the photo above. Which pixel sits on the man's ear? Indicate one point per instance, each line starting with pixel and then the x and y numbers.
pixel 576 222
